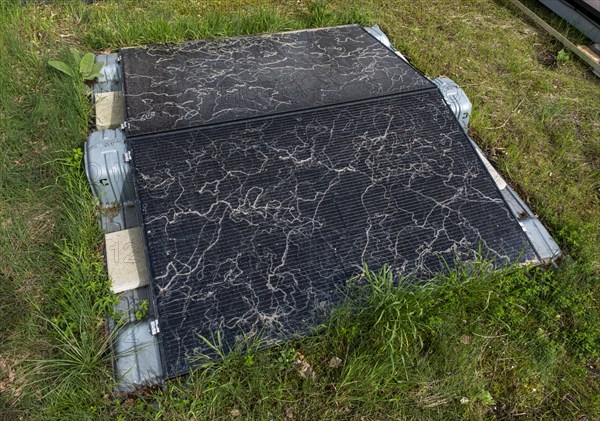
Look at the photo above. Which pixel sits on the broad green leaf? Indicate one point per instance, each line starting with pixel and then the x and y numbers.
pixel 76 56
pixel 86 64
pixel 97 68
pixel 63 67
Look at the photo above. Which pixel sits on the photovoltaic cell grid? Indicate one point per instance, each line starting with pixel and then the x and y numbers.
pixel 254 226
pixel 180 86
pixel 269 168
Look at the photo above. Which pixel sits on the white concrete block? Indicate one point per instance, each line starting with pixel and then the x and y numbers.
pixel 110 110
pixel 126 260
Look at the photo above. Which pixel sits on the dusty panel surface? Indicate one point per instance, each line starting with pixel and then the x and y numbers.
pixel 210 81
pixel 255 226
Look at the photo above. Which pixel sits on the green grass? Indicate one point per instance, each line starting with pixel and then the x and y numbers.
pixel 413 351
pixel 471 344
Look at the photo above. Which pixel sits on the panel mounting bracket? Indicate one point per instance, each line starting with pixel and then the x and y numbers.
pixel 154 327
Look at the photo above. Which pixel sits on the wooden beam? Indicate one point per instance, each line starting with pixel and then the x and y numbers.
pixel 588 52
pixel 560 37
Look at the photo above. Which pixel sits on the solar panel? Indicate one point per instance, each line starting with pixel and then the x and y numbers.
pixel 255 225
pixel 269 169
pixel 202 82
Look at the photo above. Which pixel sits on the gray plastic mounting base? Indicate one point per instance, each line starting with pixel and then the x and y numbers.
pixel 457 99
pixel 111 78
pixel 137 357
pixel 110 178
pixel 136 353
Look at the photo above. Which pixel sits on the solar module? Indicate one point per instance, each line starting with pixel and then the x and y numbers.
pixel 293 160
pixel 208 81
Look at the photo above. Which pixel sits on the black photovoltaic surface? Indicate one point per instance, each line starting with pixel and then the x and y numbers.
pixel 254 225
pixel 171 87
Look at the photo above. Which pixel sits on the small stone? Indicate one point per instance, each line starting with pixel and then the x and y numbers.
pixel 466 339
pixel 235 412
pixel 304 368
pixel 464 400
pixel 335 362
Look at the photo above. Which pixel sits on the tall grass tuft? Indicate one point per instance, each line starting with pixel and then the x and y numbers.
pixel 79 360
